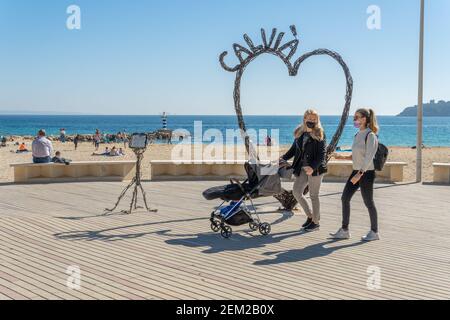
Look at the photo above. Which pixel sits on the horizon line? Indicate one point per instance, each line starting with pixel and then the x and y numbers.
pixel 170 115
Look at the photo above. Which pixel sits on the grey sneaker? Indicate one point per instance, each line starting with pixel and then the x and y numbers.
pixel 371 236
pixel 340 234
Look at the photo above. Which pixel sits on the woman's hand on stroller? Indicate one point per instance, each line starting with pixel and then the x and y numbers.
pixel 282 163
pixel 236 181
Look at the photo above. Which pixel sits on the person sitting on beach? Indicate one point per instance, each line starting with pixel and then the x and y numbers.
pixel 22 148
pixel 3 141
pixel 58 159
pixel 114 152
pixel 42 148
pixel 121 153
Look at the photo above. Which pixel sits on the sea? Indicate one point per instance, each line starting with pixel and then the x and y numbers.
pixel 394 131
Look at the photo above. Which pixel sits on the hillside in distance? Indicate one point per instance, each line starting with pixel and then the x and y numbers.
pixel 431 109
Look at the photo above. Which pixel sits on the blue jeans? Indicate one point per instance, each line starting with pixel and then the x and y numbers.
pixel 42 160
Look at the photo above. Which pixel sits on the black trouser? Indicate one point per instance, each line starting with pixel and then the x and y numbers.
pixel 366 184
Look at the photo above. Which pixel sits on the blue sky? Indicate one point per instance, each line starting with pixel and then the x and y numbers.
pixel 145 57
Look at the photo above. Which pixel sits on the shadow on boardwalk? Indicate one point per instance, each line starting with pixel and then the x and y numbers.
pixel 313 251
pixel 214 243
pixel 110 234
pixel 238 242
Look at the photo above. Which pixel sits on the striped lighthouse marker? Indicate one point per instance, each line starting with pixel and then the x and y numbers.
pixel 164 120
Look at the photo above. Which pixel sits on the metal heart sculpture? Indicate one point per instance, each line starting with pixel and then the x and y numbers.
pixel 285 52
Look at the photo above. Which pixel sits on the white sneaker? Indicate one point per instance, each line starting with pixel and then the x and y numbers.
pixel 371 236
pixel 341 234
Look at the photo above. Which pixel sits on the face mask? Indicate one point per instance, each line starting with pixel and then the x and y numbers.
pixel 310 124
pixel 357 124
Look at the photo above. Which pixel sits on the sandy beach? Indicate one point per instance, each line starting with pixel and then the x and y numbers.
pixel 164 152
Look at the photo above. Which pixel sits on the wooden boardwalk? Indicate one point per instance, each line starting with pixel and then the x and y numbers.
pixel 172 254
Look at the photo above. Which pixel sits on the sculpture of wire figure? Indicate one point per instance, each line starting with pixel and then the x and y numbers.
pixel 135 183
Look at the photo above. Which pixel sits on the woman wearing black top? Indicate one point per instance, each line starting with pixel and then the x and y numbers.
pixel 309 153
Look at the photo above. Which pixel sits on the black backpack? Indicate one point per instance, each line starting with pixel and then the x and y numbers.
pixel 380 156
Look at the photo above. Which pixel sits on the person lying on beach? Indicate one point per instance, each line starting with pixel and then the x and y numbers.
pixel 58 159
pixel 22 148
pixel 106 153
pixel 113 153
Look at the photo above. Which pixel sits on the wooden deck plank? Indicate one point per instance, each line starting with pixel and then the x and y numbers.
pixel 162 248
pixel 172 254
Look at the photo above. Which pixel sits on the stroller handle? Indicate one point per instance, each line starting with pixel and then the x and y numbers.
pixel 236 181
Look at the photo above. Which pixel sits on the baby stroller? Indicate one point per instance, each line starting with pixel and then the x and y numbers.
pixel 262 180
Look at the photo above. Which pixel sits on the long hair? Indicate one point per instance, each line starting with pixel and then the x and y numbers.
pixel 371 119
pixel 316 133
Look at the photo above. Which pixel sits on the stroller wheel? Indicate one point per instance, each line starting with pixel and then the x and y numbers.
pixel 226 232
pixel 253 226
pixel 215 226
pixel 264 228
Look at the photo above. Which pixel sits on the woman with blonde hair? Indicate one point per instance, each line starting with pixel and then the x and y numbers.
pixel 309 165
pixel 364 149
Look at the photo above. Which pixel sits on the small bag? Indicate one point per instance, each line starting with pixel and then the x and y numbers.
pixel 381 155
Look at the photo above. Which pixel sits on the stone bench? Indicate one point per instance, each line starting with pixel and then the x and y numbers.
pixel 75 171
pixel 441 173
pixel 340 170
pixel 196 170
pixel 225 169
